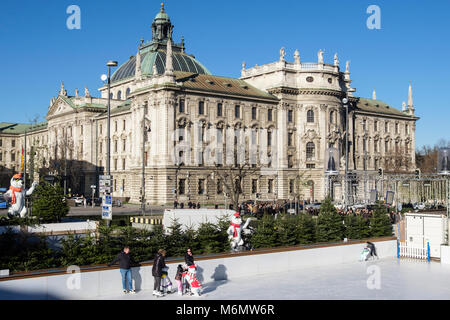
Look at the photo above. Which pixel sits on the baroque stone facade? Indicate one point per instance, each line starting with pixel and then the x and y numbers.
pixel 281 116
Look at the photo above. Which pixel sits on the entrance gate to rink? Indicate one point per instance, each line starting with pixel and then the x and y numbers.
pixel 405 250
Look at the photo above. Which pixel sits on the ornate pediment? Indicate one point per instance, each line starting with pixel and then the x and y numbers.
pixel 59 107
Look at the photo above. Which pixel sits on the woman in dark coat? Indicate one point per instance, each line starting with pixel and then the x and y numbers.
pixel 188 257
pixel 158 264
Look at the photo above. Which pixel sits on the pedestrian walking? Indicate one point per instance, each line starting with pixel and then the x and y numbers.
pixel 158 264
pixel 125 261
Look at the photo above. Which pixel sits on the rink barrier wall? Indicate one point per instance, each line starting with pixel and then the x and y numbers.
pixel 93 281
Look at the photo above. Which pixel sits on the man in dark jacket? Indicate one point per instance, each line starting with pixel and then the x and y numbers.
pixel 158 264
pixel 125 261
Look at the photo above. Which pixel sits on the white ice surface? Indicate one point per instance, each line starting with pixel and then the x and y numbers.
pixel 398 279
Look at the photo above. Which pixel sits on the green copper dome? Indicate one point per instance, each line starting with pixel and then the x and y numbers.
pixel 153 54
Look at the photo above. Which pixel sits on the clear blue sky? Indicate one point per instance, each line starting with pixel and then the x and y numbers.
pixel 38 50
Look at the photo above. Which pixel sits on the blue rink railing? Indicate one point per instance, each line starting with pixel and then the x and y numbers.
pixel 405 250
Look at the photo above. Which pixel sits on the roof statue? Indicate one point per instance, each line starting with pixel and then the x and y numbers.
pixel 297 57
pixel 62 91
pixel 87 94
pixel 320 56
pixel 347 66
pixel 374 95
pixel 282 54
pixel 243 65
pixel 336 60
pixel 76 92
pixel 403 106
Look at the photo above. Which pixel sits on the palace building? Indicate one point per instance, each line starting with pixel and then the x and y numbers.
pixel 182 124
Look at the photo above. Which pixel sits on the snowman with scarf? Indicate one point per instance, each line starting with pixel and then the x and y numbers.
pixel 16 195
pixel 235 231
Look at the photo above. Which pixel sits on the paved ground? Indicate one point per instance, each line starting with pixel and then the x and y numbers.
pixel 383 279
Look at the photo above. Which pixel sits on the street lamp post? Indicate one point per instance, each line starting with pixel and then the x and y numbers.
pixel 345 102
pixel 108 147
pixel 110 64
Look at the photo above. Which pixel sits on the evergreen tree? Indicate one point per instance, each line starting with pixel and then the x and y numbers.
pixel 357 227
pixel 380 224
pixel 329 223
pixel 49 204
pixel 211 239
pixel 286 226
pixel 305 229
pixel 265 235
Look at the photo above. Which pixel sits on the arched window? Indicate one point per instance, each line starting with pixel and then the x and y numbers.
pixel 127 93
pixel 119 95
pixel 310 116
pixel 111 95
pixel 310 150
pixel 332 117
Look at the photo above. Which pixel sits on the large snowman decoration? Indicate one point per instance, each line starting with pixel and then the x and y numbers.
pixel 235 231
pixel 16 194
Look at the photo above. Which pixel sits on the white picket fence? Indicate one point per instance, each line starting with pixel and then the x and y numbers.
pixel 409 251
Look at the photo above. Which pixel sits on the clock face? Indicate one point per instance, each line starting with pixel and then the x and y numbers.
pixel 310 79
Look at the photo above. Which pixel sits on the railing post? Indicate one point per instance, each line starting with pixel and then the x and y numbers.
pixel 398 249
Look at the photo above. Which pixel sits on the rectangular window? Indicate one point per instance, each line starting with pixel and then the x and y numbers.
pixel 1 156
pixel 124 124
pixel 269 115
pixel 146 158
pixel 310 166
pixel 375 126
pixel 364 125
pixel 201 186
pixel 290 161
pixel 81 129
pixel 396 128
pixel 181 106
pixel 291 185
pixel 100 147
pixel 1 142
pixel 101 130
pixel 269 138
pixel 115 164
pixel 81 147
pixel 13 143
pixel 201 107
pixel 290 115
pixel 253 113
pixel 254 186
pixel 115 146
pixel 219 110
pixel 123 164
pixel 13 157
pixel 237 111
pixel 290 135
pixel 181 186
pixel 219 186
pixel 123 184
pixel 270 186
pixel 386 127
pixel 124 144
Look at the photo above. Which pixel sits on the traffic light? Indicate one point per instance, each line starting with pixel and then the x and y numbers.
pixel 380 172
pixel 417 173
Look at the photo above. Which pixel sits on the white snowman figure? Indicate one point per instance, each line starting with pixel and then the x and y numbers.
pixel 16 194
pixel 235 231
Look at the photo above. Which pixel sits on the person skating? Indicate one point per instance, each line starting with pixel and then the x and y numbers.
pixel 125 261
pixel 188 257
pixel 157 269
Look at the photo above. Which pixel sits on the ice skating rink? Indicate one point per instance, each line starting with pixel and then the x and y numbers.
pixel 383 279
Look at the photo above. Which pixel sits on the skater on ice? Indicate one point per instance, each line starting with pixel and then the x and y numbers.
pixel 159 264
